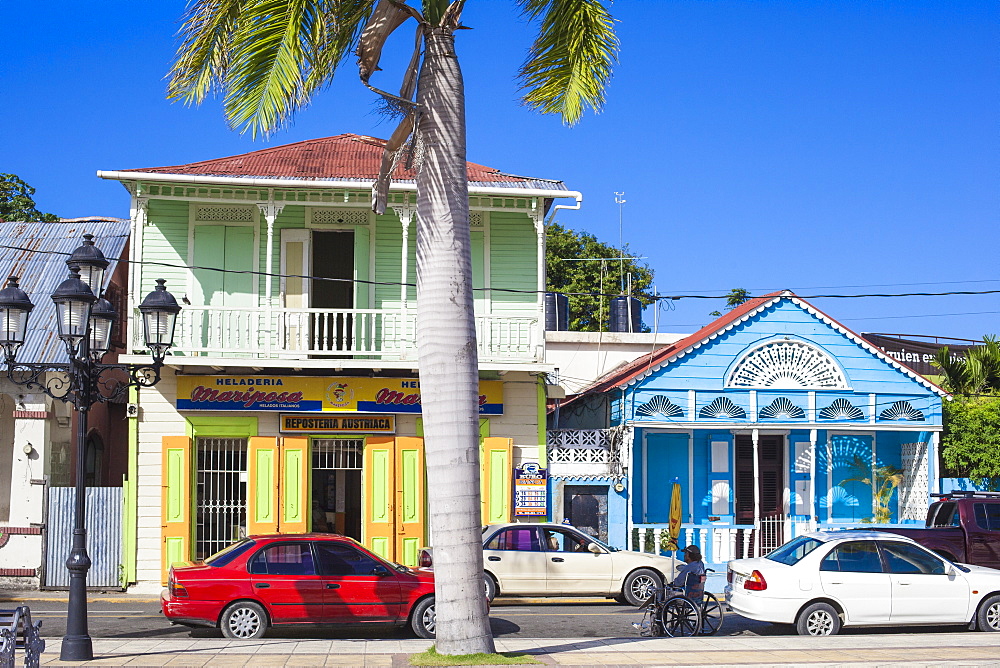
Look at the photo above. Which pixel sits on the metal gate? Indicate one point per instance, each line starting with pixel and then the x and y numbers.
pixel 103 521
pixel 221 495
pixel 337 453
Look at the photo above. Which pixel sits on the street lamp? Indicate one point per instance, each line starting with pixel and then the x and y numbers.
pixel 84 324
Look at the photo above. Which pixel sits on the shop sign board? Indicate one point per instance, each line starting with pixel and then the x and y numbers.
pixel 315 394
pixel 337 424
pixel 530 490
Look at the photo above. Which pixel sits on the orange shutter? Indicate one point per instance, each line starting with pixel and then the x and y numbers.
pixel 379 503
pixel 295 498
pixel 262 487
pixel 176 509
pixel 410 505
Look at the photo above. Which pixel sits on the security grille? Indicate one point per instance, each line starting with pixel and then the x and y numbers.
pixel 222 494
pixel 337 453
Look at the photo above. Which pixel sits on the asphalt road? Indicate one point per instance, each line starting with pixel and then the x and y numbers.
pixel 133 617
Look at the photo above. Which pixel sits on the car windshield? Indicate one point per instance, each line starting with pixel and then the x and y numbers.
pixel 792 552
pixel 602 544
pixel 225 556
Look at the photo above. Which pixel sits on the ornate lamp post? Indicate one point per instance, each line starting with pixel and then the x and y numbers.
pixel 84 325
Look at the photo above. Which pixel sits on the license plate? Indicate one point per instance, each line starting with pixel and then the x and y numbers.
pixel 738 579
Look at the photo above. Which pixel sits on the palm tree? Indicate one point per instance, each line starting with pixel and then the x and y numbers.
pixel 268 58
pixel 977 373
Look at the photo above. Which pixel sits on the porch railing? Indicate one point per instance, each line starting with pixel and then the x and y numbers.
pixel 283 333
pixel 720 543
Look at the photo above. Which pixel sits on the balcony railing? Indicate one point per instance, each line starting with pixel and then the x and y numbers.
pixel 284 333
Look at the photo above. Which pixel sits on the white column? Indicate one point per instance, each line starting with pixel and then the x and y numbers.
pixel 138 216
pixel 538 218
pixel 756 490
pixel 405 215
pixel 812 480
pixel 690 436
pixel 270 210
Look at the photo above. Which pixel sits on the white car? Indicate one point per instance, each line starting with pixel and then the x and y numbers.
pixel 825 580
pixel 543 559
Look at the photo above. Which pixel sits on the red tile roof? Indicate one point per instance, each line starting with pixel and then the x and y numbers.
pixel 345 157
pixel 625 374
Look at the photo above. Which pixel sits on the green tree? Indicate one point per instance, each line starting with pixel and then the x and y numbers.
pixel 882 479
pixel 735 297
pixel 572 266
pixel 971 439
pixel 16 203
pixel 269 57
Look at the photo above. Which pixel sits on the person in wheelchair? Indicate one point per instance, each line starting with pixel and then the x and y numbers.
pixel 691 576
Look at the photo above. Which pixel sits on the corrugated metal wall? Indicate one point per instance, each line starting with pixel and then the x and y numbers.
pixel 104 536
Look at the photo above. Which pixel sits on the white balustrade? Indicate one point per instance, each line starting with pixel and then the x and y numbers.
pixel 249 332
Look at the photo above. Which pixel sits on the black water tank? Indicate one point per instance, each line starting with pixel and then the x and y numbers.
pixel 556 312
pixel 626 314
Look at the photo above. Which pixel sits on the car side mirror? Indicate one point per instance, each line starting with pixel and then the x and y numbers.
pixel 595 548
pixel 380 571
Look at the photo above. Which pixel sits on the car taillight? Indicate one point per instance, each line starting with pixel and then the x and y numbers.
pixel 755 582
pixel 729 574
pixel 177 590
pixel 425 560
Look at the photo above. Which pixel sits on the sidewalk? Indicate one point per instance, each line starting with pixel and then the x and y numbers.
pixel 910 650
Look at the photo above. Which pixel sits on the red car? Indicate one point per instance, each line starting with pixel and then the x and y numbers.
pixel 265 581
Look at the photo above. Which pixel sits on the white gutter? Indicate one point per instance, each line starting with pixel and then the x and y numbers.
pixel 307 183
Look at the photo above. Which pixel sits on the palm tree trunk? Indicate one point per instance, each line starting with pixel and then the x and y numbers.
pixel 448 359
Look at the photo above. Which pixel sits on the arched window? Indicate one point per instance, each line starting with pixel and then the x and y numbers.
pixel 787 364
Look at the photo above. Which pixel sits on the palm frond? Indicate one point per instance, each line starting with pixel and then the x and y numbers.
pixel 266 56
pixel 570 63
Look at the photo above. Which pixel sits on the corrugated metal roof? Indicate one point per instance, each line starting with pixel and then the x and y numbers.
pixel 344 157
pixel 36 253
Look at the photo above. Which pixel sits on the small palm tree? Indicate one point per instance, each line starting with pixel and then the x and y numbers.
pixel 269 57
pixel 977 373
pixel 883 480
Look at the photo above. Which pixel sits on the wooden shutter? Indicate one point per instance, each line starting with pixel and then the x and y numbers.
pixel 295 498
pixel 379 522
pixel 262 485
pixel 743 475
pixel 496 479
pixel 410 505
pixel 771 478
pixel 177 484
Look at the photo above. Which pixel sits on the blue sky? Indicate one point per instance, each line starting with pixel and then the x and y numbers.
pixel 827 147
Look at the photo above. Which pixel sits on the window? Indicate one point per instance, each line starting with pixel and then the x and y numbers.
pixel 283 559
pixel 856 557
pixel 943 515
pixel 910 559
pixel 515 539
pixel 987 515
pixel 336 559
pixel 226 556
pixel 558 540
pixel 792 552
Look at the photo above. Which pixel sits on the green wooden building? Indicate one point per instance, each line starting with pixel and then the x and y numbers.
pixel 291 401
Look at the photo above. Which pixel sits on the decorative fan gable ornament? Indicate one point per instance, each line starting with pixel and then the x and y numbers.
pixel 788 365
pixel 782 407
pixel 842 409
pixel 659 405
pixel 901 410
pixel 722 408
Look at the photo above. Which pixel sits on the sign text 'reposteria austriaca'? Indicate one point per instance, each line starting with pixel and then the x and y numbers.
pixel 315 394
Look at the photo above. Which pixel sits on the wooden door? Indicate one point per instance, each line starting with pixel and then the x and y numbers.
pixel 771 477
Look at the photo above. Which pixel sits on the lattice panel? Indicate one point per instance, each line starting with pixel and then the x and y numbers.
pixel 580 438
pixel 331 216
pixel 227 214
pixel 913 490
pixel 787 365
pixel 477 218
pixel 579 455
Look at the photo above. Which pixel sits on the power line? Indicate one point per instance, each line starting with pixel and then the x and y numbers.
pixel 654 298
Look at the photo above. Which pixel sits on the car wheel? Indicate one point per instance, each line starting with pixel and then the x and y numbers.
pixel 491 587
pixel 819 619
pixel 640 585
pixel 245 620
pixel 423 621
pixel 988 617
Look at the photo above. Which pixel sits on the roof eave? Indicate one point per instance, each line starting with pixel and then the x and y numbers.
pixel 265 182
